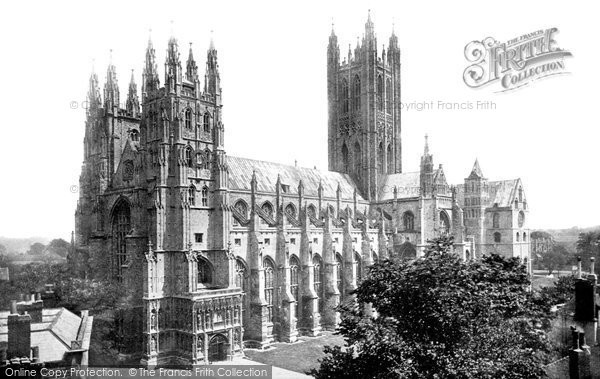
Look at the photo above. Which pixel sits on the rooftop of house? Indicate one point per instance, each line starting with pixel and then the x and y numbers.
pixel 60 332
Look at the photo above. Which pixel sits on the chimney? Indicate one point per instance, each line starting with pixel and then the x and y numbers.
pixel 13 307
pixel 578 267
pixel 19 335
pixel 579 356
pixel 33 307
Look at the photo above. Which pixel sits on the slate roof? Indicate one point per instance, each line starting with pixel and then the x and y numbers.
pixel 407 183
pixel 241 169
pixel 501 192
pixel 59 327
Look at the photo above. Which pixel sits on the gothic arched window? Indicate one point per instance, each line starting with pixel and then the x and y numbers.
pixel 189 154
pixel 267 208
pixel 269 267
pixel 241 274
pixel 408 219
pixel 518 237
pixel 524 237
pixel 340 272
pixel 318 272
pixel 241 207
pixel 205 272
pixel 294 271
pixel 345 158
pixel 205 196
pixel 379 93
pixel 207 158
pixel 311 211
pixel 134 135
pixel 121 225
pixel 390 160
pixel 444 223
pixel 357 157
pixel 521 219
pixel 188 118
pixel 290 210
pixel 497 237
pixel 206 122
pixel 344 96
pixel 357 267
pixel 356 93
pixel 496 220
pixel 192 195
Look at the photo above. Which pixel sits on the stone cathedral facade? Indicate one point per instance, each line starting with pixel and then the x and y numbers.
pixel 218 252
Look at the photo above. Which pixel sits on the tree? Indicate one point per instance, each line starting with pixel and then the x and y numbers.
pixel 36 249
pixel 441 317
pixel 555 259
pixel 59 247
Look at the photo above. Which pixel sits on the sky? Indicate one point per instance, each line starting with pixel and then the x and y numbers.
pixel 272 58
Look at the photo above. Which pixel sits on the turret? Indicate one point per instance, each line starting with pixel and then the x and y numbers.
pixel 212 80
pixel 111 89
pixel 93 97
pixel 191 72
pixel 133 102
pixel 150 81
pixel 426 178
pixel 173 73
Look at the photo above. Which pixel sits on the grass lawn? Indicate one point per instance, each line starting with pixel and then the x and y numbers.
pixel 300 356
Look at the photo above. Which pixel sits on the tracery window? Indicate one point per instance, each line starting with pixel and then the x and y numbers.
pixel 294 271
pixel 269 273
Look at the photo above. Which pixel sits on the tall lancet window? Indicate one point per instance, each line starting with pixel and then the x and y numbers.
pixel 356 93
pixel 121 225
pixel 294 271
pixel 344 96
pixel 269 268
pixel 188 119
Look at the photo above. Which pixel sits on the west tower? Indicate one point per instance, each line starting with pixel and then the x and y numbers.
pixel 363 92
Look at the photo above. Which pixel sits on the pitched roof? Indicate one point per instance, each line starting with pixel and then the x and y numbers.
pixel 241 169
pixel 59 327
pixel 476 172
pixel 408 185
pixel 501 192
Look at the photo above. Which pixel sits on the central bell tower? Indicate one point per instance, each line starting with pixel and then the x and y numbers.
pixel 363 92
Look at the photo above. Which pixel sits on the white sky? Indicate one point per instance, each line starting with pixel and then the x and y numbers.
pixel 272 58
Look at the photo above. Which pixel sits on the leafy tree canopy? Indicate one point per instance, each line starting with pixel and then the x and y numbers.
pixel 36 248
pixel 440 317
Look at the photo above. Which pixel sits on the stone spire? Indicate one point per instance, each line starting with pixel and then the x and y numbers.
pixel 93 97
pixel 191 72
pixel 150 81
pixel 133 102
pixel 111 87
pixel 476 172
pixel 212 79
pixel 173 72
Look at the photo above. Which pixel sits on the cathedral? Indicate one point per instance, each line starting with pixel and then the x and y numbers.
pixel 219 253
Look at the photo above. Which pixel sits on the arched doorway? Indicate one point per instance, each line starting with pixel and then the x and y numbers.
pixel 217 349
